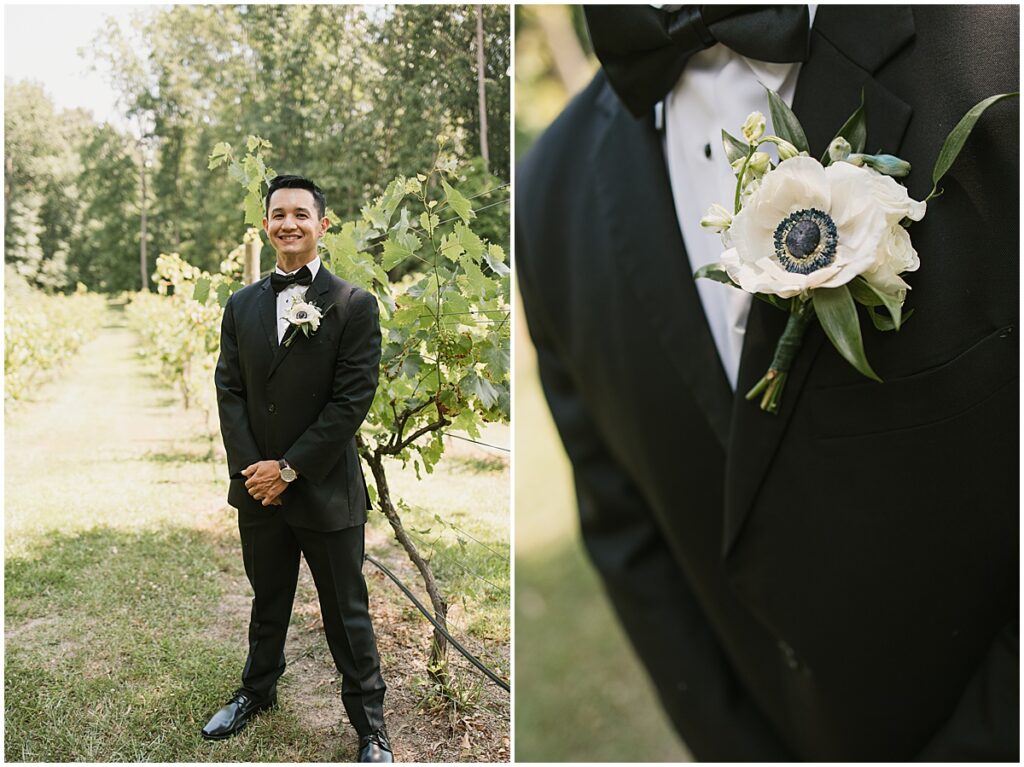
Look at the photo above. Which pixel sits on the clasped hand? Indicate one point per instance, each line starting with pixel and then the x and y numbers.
pixel 264 483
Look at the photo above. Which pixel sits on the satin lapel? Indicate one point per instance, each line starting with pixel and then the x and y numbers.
pixel 644 237
pixel 268 314
pixel 828 91
pixel 319 286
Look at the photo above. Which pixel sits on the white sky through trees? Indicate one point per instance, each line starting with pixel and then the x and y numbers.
pixel 41 43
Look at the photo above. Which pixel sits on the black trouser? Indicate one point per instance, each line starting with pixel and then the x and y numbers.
pixel 270 551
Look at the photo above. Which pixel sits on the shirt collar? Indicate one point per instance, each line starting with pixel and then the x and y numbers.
pixel 314 267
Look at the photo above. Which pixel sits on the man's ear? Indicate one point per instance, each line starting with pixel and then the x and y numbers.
pixel 325 224
pixel 265 229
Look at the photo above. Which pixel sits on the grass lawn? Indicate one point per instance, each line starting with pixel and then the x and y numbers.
pixel 574 666
pixel 126 604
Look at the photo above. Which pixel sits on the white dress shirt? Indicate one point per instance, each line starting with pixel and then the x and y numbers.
pixel 716 91
pixel 292 292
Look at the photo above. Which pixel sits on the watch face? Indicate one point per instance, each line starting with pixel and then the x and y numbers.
pixel 288 474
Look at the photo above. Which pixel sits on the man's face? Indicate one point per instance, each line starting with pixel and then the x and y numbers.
pixel 292 224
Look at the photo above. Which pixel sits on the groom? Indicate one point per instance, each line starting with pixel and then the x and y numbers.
pixel 291 399
pixel 837 582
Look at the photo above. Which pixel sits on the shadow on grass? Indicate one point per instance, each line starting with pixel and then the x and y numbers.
pixel 117 650
pixel 574 666
pixel 178 457
pixel 476 464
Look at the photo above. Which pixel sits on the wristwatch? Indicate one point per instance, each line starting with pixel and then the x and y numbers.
pixel 287 472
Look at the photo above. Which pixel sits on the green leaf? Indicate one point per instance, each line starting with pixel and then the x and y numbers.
pixel 865 293
pixel 472 245
pixel 224 291
pixel 479 387
pixel 714 272
pixel 785 123
pixel 253 210
pixel 399 246
pixel 202 290
pixel 429 222
pixel 734 148
pixel 457 202
pixel 884 322
pixel 958 136
pixel 838 315
pixel 854 130
pixel 495 258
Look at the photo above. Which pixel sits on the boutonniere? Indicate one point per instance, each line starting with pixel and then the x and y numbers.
pixel 305 316
pixel 815 238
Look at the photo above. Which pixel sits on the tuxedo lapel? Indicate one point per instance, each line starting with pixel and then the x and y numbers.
pixel 319 286
pixel 848 44
pixel 644 237
pixel 268 314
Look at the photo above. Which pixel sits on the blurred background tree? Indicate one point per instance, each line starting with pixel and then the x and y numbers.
pixel 574 665
pixel 350 96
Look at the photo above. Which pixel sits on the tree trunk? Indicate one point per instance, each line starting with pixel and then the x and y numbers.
pixel 480 89
pixel 142 224
pixel 251 268
pixel 438 651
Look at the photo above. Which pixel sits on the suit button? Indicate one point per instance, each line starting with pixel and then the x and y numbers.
pixel 271 408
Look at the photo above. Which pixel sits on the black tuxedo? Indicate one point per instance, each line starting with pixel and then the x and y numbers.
pixel 839 581
pixel 304 402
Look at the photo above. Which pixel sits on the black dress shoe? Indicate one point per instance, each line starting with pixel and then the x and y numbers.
pixel 235 715
pixel 375 747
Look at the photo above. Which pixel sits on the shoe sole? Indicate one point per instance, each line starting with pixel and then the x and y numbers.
pixel 234 732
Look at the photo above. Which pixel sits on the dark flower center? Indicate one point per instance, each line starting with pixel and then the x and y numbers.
pixel 805 241
pixel 301 315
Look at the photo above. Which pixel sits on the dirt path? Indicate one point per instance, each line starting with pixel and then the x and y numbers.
pixel 106 446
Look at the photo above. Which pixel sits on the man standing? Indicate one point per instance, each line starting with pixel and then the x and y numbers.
pixel 297 372
pixel 837 582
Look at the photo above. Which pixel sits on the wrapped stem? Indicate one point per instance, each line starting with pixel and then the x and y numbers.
pixel 771 384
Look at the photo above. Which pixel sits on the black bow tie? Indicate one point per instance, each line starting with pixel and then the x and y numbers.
pixel 643 50
pixel 281 281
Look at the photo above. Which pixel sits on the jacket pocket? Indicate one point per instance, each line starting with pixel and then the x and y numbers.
pixel 927 397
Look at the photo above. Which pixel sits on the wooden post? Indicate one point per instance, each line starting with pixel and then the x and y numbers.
pixel 481 90
pixel 251 270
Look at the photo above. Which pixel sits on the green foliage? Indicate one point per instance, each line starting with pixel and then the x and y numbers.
pixel 785 123
pixel 837 311
pixel 958 137
pixel 180 325
pixel 42 332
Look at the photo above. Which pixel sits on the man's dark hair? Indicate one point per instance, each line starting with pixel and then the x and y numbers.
pixel 297 182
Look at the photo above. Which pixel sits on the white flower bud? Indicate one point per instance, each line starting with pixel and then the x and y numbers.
pixel 753 128
pixel 718 219
pixel 839 149
pixel 760 163
pixel 786 150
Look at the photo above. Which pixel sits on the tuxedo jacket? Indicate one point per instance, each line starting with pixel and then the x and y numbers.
pixel 303 402
pixel 838 581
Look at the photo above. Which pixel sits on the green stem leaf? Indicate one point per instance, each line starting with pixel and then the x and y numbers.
pixel 838 315
pixel 958 137
pixel 785 123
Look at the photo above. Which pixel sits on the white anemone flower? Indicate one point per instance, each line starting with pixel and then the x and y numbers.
pixel 302 314
pixel 807 226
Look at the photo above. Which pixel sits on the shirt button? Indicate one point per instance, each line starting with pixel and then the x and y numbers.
pixel 707 151
pixel 271 408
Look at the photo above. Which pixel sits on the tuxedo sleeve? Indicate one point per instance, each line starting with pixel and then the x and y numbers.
pixel 648 590
pixel 239 442
pixel 322 445
pixel 985 727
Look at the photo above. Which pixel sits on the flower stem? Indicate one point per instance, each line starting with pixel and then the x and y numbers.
pixel 771 383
